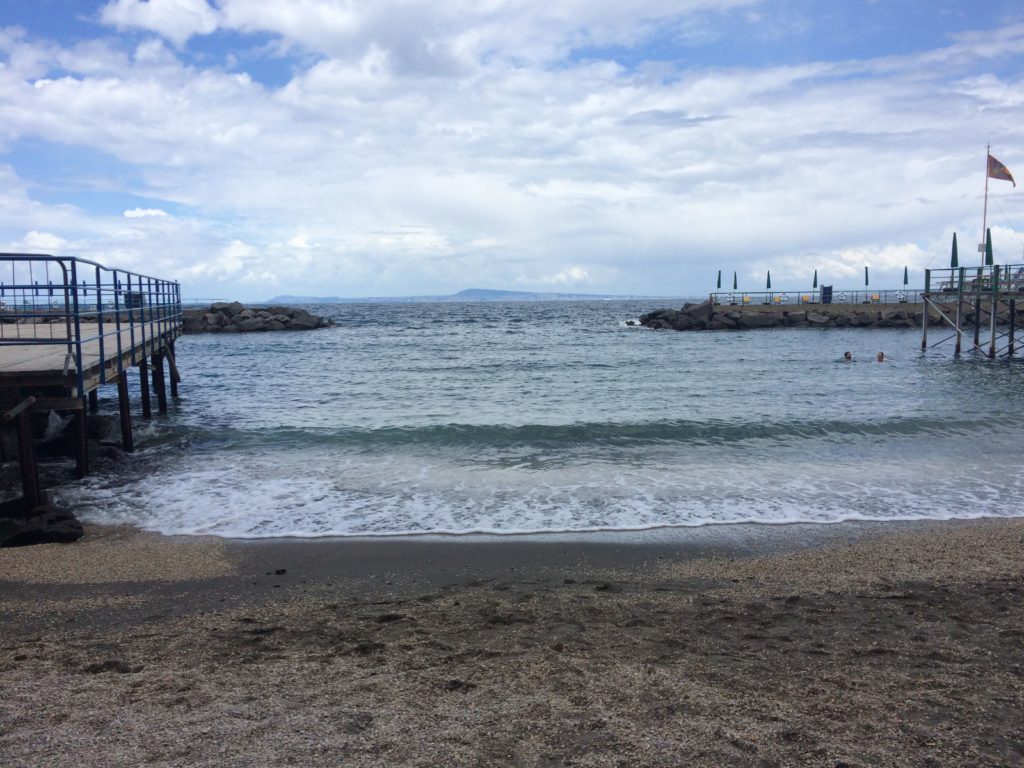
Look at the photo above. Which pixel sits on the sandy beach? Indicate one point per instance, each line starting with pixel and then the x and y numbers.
pixel 843 645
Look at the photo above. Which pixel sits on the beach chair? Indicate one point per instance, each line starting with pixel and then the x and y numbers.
pixel 746 299
pixel 875 298
pixel 805 299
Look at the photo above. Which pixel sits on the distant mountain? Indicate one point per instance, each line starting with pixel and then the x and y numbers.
pixel 470 294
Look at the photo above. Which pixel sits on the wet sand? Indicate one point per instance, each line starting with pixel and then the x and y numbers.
pixel 846 645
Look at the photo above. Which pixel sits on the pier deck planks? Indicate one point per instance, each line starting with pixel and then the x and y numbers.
pixel 45 361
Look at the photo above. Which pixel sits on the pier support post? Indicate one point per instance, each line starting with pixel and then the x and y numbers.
pixel 959 309
pixel 82 442
pixel 27 460
pixel 127 441
pixel 993 312
pixel 172 364
pixel 94 401
pixel 147 409
pixel 924 309
pixel 1013 323
pixel 158 381
pixel 977 309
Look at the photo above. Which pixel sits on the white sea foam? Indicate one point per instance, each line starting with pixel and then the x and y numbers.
pixel 308 495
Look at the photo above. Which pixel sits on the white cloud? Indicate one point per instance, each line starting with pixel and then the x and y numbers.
pixel 40 242
pixel 177 20
pixel 570 276
pixel 142 213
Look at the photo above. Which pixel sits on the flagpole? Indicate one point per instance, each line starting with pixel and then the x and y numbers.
pixel 984 215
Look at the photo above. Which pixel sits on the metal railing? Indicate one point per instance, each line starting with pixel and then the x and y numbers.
pixel 794 298
pixel 1007 278
pixel 72 302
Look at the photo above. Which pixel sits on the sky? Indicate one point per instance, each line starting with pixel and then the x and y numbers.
pixel 408 147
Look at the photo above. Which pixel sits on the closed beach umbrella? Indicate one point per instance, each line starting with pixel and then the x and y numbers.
pixel 734 281
pixel 954 262
pixel 769 286
pixel 988 247
pixel 865 276
pixel 719 286
pixel 815 279
pixel 906 277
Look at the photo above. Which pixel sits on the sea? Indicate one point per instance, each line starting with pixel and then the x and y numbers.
pixel 562 417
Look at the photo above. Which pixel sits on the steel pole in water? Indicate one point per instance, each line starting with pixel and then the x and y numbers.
pixel 27 459
pixel 1013 322
pixel 124 405
pixel 994 310
pixel 924 309
pixel 147 410
pixel 158 382
pixel 977 309
pixel 81 442
pixel 959 276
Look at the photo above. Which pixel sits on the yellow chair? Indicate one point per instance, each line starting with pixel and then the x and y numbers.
pixel 746 299
pixel 805 299
pixel 875 298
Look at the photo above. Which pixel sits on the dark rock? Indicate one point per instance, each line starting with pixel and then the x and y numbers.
pixel 45 524
pixel 682 322
pixel 232 308
pixel 701 312
pixel 818 319
pixel 657 314
pixel 796 318
pixel 757 320
pixel 251 324
pixel 302 323
pixel 723 321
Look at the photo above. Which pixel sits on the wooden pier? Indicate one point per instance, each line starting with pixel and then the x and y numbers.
pixel 979 302
pixel 68 326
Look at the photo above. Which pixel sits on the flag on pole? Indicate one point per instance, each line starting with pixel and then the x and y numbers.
pixel 997 170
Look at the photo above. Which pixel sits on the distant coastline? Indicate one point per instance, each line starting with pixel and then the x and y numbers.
pixel 468 295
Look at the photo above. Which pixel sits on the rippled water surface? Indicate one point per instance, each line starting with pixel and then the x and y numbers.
pixel 526 417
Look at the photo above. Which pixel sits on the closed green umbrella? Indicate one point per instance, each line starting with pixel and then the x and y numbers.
pixel 988 247
pixel 815 279
pixel 719 285
pixel 954 262
pixel 865 276
pixel 734 281
pixel 906 277
pixel 769 286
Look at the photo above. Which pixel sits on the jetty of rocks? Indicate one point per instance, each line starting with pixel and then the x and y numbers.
pixel 234 317
pixel 708 316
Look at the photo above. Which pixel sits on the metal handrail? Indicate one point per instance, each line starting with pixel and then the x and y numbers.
pixel 814 296
pixel 80 291
pixel 1004 278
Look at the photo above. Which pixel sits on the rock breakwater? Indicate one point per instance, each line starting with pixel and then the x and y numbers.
pixel 707 316
pixel 234 317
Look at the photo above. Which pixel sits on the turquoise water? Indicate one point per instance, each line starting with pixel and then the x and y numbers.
pixel 527 417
